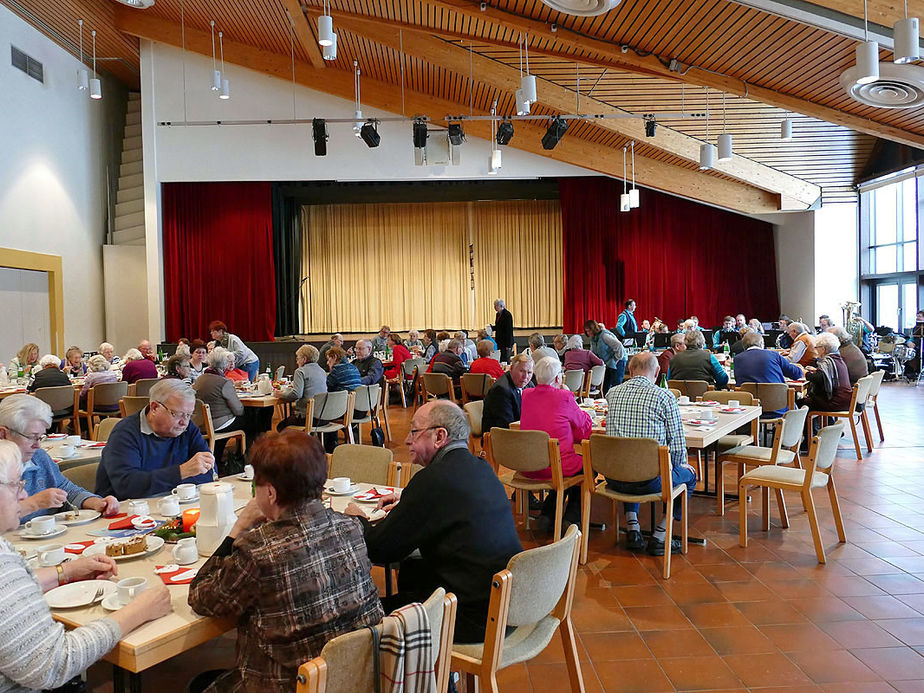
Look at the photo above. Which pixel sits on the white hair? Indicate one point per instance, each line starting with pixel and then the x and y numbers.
pixel 575 342
pixel 182 350
pixel 49 360
pixel 166 388
pixel 799 327
pixel 413 335
pixel 547 370
pixel 500 302
pixel 831 343
pixel 104 346
pixel 18 411
pixel 10 462
pixel 218 358
pixel 98 363
pixel 132 355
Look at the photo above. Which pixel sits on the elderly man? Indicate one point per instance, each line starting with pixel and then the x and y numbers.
pixel 455 512
pixel 664 358
pixel 640 409
pixel 380 341
pixel 503 401
pixel 855 359
pixel 147 351
pixel 370 368
pixel 449 362
pixel 24 420
pixel 538 350
pixel 336 340
pixel 503 329
pixel 150 452
pixel 802 350
pixel 626 326
pixel 610 350
pixel 695 363
pixel 758 365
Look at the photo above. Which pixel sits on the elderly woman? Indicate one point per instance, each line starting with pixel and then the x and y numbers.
pixel 24 420
pixel 26 359
pixel 551 408
pixel 579 358
pixel 484 363
pixel 100 373
pixel 136 367
pixel 399 354
pixel 294 573
pixel 244 358
pixel 829 386
pixel 343 375
pixel 560 344
pixel 855 359
pixel 177 366
pixel 49 374
pixel 217 391
pixel 107 351
pixel 802 350
pixel 695 363
pixel 72 364
pixel 413 342
pixel 234 374
pixel 197 354
pixel 309 379
pixel 37 653
pixel 431 346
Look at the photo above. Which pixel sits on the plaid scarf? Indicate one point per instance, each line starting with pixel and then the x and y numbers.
pixel 406 652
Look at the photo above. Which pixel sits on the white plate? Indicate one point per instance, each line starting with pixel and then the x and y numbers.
pixel 331 492
pixel 154 545
pixel 29 552
pixel 58 531
pixel 77 594
pixel 84 516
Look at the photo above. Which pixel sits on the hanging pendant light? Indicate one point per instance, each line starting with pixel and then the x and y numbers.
pixel 326 27
pixel 786 129
pixel 225 85
pixel 330 52
pixel 494 161
pixel 528 81
pixel 522 103
pixel 634 201
pixel 358 111
pixel 867 54
pixel 625 203
pixel 905 32
pixel 725 139
pixel 83 79
pixel 216 73
pixel 96 90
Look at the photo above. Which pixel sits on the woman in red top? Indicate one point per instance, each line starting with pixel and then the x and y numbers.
pixel 399 354
pixel 484 363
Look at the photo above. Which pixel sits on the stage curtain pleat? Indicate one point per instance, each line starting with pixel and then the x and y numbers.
pixel 287 253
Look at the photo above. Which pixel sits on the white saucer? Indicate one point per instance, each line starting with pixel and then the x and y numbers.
pixel 65 457
pixel 354 488
pixel 184 501
pixel 241 477
pixel 57 532
pixel 112 603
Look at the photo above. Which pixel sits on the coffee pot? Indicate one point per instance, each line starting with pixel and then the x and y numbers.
pixel 216 516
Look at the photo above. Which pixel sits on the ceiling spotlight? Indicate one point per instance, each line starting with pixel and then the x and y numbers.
pixel 369 134
pixel 634 200
pixel 138 4
pixel 725 147
pixel 357 124
pixel 867 62
pixel 906 35
pixel 522 103
pixel 330 52
pixel 504 132
pixel 650 126
pixel 786 129
pixel 706 156
pixel 325 30
pixel 495 161
pixel 319 133
pixel 225 90
pixel 557 129
pixel 456 135
pixel 528 88
pixel 420 134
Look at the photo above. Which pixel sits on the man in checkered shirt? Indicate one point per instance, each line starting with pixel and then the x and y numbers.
pixel 640 409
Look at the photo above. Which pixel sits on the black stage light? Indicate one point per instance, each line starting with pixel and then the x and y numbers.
pixel 369 134
pixel 650 126
pixel 504 132
pixel 420 134
pixel 319 132
pixel 456 134
pixel 557 129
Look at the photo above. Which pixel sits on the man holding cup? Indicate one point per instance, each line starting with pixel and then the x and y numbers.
pixel 154 450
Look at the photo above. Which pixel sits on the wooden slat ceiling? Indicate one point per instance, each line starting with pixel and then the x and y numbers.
pixel 748 48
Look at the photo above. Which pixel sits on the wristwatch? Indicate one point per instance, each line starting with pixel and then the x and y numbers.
pixel 62 578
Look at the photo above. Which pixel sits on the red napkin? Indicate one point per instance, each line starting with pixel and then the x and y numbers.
pixel 166 577
pixel 374 494
pixel 94 445
pixel 72 547
pixel 124 523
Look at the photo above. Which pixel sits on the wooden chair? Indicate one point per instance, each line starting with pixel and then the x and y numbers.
pixel 533 595
pixel 785 451
pixel 691 388
pixel 280 373
pixel 406 471
pixel 474 411
pixel 872 401
pixel 475 386
pixel 345 665
pixel 102 395
pixel 366 464
pixel 104 428
pixel 632 460
pixel 409 377
pixel 367 398
pixel 383 408
pixel 129 405
pixel 675 392
pixel 62 398
pixel 334 409
pixel 437 385
pixel 142 388
pixel 594 381
pixel 733 440
pixel 83 475
pixel 574 380
pixel 853 415
pixel 773 397
pixel 532 451
pixel 202 417
pixel 818 473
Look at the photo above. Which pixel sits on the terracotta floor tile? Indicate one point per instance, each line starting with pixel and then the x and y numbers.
pixel 632 676
pixel 880 607
pixel 826 609
pixel 915 601
pixel 770 612
pixel 796 589
pixel 750 591
pixel 514 678
pixel 909 630
pixel 657 617
pixel 676 643
pixel 893 663
pixel 832 666
pixel 773 570
pixel 725 572
pixel 722 615
pixel 864 687
pixel 642 595
pixel 699 673
pixel 909 686
pixel 606 647
pixel 898 584
pixel 553 678
pixel 888 549
pixel 757 670
pixel 693 593
pixel 738 640
pixel 859 634
pixel 850 586
pixel 554 652
pixel 799 637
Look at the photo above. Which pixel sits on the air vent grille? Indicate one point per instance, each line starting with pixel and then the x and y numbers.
pixel 27 64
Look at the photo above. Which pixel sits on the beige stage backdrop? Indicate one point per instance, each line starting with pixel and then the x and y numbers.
pixel 430 265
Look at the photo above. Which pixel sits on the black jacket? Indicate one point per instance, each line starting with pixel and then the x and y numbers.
pixel 503 329
pixel 501 404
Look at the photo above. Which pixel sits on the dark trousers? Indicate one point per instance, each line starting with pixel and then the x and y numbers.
pixel 572 505
pixel 505 353
pixel 679 475
pixel 613 376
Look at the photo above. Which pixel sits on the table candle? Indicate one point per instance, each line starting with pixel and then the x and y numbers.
pixel 190 517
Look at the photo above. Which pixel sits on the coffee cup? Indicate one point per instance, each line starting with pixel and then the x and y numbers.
pixel 707 414
pixel 186 551
pixel 72 440
pixel 139 507
pixel 50 554
pixel 341 484
pixel 588 401
pixel 169 506
pixel 248 471
pixel 127 589
pixel 185 491
pixel 734 403
pixel 683 399
pixel 66 450
pixel 41 525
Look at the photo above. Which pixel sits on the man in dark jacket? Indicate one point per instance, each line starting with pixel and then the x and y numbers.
pixel 503 329
pixel 502 403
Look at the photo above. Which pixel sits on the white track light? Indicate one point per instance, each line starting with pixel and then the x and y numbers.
pixel 330 52
pixel 867 62
pixel 225 90
pixel 522 103
pixel 706 156
pixel 786 129
pixel 96 91
pixel 528 87
pixel 725 147
pixel 325 30
pixel 634 200
pixel 906 41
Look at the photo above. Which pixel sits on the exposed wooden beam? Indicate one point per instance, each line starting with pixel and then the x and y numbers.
pixel 606 54
pixel 304 34
pixel 708 188
pixel 456 58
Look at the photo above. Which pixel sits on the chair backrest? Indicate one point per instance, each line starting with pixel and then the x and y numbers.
pixel 474 410
pixel 58 398
pixel 522 451
pixel 407 471
pixel 724 396
pixel 130 404
pixel 437 384
pixel 876 384
pixel 597 373
pixel 202 417
pixel 363 463
pixel 824 449
pixel 104 428
pixel 540 577
pixel 794 420
pixel 476 384
pixel 625 459
pixel 143 386
pixel 772 396
pixel 280 372
pixel 863 385
pixel 675 392
pixel 574 380
pixel 408 366
pixel 691 388
pixel 329 406
pixel 366 398
pixel 84 475
pixel 108 394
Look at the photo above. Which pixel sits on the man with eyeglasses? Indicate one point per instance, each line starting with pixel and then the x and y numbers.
pixel 151 452
pixel 23 421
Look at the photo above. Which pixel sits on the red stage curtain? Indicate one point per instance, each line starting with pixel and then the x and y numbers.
pixel 675 257
pixel 218 259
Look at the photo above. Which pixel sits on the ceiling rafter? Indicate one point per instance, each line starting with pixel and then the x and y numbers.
pixel 304 33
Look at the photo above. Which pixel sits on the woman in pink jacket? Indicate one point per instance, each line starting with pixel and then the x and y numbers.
pixel 550 407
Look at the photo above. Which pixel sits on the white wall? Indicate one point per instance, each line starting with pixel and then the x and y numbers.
pixel 794 238
pixel 26 312
pixel 836 262
pixel 53 149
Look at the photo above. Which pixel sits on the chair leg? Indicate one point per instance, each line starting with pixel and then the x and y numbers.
pixel 809 504
pixel 836 511
pixel 765 508
pixel 878 421
pixel 867 431
pixel 585 519
pixel 616 522
pixel 781 504
pixel 668 535
pixel 856 439
pixel 684 526
pixel 559 513
pixel 719 487
pixel 742 515
pixel 569 643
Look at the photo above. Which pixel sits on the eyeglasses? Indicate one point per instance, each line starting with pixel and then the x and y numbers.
pixel 18 486
pixel 179 415
pixel 414 431
pixel 35 440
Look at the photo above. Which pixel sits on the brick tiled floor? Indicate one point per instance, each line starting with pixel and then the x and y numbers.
pixel 763 618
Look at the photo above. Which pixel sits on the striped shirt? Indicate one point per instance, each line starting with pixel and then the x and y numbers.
pixel 36 653
pixel 640 409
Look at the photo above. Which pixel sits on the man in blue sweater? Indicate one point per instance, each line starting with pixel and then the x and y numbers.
pixel 151 452
pixel 758 365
